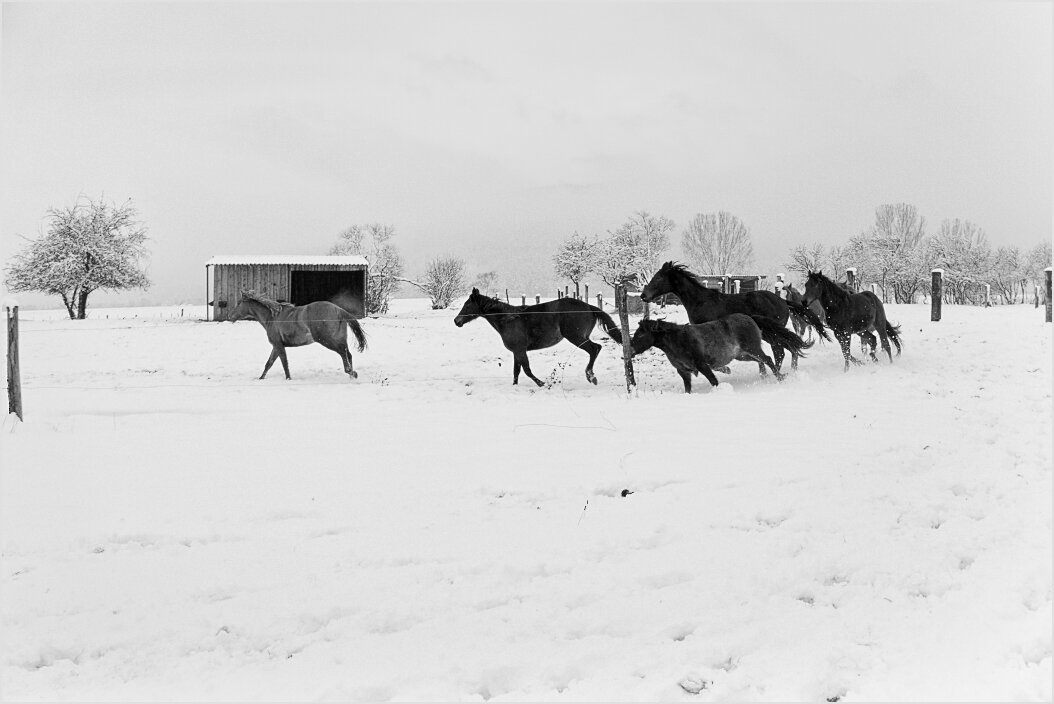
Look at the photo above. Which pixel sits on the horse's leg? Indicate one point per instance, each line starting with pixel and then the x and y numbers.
pixel 521 359
pixel 866 339
pixel 270 360
pixel 515 369
pixel 349 368
pixel 686 377
pixel 881 330
pixel 705 370
pixel 593 349
pixel 845 340
pixel 777 355
pixel 285 361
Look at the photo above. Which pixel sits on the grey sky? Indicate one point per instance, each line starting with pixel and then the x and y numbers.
pixel 492 131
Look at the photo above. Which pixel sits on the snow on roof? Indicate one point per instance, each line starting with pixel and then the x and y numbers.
pixel 295 259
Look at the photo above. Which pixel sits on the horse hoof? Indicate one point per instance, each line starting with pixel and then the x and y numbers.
pixel 353 375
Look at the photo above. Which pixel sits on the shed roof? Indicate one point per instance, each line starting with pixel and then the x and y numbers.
pixel 293 259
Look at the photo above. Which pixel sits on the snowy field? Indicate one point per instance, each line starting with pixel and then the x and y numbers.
pixel 175 529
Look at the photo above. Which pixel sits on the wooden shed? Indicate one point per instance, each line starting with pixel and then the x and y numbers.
pixel 295 279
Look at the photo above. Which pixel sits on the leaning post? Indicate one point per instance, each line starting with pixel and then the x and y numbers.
pixel 936 289
pixel 627 350
pixel 14 380
pixel 1047 284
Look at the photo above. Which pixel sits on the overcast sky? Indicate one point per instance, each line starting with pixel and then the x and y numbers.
pixel 493 131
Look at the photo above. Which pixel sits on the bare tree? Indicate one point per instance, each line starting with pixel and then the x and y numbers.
pixel 443 281
pixel 90 246
pixel 893 251
pixel 574 258
pixel 386 266
pixel 807 257
pixel 485 282
pixel 718 243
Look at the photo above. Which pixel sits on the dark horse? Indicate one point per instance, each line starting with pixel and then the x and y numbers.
pixel 704 304
pixel 851 314
pixel 704 346
pixel 536 327
pixel 793 295
pixel 293 326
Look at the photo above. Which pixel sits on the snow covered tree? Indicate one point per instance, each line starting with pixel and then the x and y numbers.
pixel 575 257
pixel 88 247
pixel 1006 273
pixel 717 243
pixel 444 280
pixel 386 266
pixel 894 253
pixel 962 250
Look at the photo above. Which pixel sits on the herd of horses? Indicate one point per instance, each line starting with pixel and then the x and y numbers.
pixel 721 328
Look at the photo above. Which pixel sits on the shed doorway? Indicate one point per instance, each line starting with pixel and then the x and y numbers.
pixel 308 286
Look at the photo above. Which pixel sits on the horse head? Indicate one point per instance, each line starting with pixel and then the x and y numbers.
pixel 472 309
pixel 660 283
pixel 253 306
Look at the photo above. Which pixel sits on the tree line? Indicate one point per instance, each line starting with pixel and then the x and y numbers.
pixel 897 253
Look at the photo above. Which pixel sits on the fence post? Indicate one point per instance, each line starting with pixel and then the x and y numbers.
pixel 586 299
pixel 988 295
pixel 936 287
pixel 735 286
pixel 537 298
pixel 600 301
pixel 523 299
pixel 850 278
pixel 1047 271
pixel 627 351
pixel 559 294
pixel 14 380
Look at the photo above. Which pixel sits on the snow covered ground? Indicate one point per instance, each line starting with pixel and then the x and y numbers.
pixel 175 529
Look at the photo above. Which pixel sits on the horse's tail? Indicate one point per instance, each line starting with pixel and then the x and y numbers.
pixel 805 313
pixel 773 332
pixel 608 324
pixel 356 330
pixel 893 333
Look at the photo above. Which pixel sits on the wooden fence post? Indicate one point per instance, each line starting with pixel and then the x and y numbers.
pixel 988 295
pixel 850 278
pixel 537 298
pixel 600 301
pixel 14 380
pixel 936 288
pixel 627 351
pixel 586 299
pixel 523 299
pixel 1047 272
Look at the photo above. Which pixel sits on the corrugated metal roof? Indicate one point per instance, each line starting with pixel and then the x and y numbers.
pixel 294 259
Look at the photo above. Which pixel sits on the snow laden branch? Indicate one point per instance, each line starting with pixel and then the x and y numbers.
pixel 373 241
pixel 443 281
pixel 85 248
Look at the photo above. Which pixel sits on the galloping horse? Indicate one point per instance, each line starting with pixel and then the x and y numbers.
pixel 702 347
pixel 293 326
pixel 851 314
pixel 704 304
pixel 536 327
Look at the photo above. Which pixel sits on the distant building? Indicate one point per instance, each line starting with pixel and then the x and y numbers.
pixel 292 278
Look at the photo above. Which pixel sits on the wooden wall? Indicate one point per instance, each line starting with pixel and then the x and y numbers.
pixel 271 280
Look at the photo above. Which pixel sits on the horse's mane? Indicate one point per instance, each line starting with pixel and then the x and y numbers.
pixel 488 304
pixel 834 288
pixel 678 269
pixel 653 325
pixel 274 306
